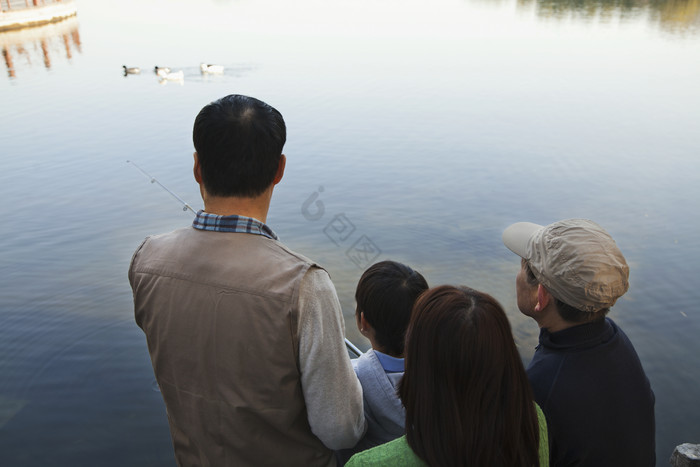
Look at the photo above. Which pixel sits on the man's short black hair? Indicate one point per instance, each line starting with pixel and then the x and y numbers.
pixel 239 141
pixel 386 293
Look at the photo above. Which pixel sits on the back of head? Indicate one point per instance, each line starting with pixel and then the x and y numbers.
pixel 567 312
pixel 385 294
pixel 575 259
pixel 239 141
pixel 466 394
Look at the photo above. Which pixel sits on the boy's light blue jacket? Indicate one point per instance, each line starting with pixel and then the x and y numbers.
pixel 383 410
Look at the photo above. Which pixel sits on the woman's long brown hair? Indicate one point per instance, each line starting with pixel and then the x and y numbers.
pixel 467 397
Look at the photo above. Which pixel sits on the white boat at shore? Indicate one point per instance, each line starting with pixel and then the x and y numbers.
pixel 30 16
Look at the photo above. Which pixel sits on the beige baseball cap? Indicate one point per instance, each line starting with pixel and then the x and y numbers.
pixel 575 259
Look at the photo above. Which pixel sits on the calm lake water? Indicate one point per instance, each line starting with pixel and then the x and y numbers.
pixel 418 130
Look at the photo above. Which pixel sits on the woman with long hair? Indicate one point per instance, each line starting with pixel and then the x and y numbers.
pixel 467 398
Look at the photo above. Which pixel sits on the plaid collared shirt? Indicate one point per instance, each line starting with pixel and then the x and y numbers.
pixel 214 223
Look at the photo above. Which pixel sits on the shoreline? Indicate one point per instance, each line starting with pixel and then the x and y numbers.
pixel 36 16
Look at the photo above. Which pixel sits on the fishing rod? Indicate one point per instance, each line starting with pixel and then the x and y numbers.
pixel 153 179
pixel 352 348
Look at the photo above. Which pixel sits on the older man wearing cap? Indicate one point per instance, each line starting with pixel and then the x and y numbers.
pixel 585 373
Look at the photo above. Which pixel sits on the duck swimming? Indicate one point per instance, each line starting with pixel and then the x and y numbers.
pixel 170 76
pixel 165 69
pixel 211 69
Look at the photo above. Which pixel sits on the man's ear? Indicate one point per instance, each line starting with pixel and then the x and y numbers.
pixel 543 298
pixel 197 169
pixel 280 169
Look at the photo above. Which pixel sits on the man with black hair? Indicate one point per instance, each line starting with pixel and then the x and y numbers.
pixel 245 336
pixel 585 374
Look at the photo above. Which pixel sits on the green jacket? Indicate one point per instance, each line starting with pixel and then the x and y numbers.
pixel 398 453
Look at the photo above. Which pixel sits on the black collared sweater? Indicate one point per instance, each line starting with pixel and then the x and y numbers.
pixel 597 399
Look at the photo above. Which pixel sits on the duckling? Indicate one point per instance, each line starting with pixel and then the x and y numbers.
pixel 158 69
pixel 131 70
pixel 211 69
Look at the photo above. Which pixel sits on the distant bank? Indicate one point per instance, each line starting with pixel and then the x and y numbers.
pixel 16 14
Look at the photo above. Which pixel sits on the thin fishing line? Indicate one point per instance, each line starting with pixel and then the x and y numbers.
pixel 153 179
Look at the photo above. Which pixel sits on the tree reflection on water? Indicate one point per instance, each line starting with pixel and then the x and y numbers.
pixel 674 15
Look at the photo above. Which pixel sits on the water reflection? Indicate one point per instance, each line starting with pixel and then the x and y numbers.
pixel 40 44
pixel 673 15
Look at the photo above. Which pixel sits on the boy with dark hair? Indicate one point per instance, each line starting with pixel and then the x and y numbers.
pixel 385 296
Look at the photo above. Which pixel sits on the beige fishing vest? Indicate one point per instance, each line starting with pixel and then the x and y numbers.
pixel 219 311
